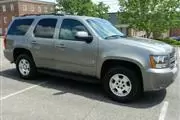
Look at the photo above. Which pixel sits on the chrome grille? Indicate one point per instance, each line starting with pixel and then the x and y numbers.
pixel 172 60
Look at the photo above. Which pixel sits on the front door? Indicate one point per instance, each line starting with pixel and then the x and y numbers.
pixel 73 55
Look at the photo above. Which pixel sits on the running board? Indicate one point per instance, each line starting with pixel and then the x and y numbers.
pixel 69 75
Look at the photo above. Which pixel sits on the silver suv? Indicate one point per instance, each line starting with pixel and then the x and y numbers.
pixel 91 49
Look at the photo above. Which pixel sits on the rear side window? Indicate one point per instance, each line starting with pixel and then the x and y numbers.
pixel 45 28
pixel 20 26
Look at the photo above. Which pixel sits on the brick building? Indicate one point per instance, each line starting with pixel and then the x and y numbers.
pixel 175 32
pixel 13 8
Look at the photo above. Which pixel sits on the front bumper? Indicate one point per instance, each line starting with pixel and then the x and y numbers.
pixel 157 79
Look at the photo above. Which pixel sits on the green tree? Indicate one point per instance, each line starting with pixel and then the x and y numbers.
pixel 82 7
pixel 152 16
pixel 101 10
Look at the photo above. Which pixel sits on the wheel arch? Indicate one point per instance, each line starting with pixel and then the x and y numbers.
pixel 18 51
pixel 109 63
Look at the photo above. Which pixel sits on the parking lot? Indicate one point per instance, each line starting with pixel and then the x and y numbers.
pixel 52 98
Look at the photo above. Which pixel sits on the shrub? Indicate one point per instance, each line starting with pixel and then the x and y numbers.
pixel 170 41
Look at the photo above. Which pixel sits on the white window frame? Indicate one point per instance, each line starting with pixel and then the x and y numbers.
pixel 32 8
pixel 52 9
pixel 12 7
pixel 24 7
pixel 45 9
pixel 4 8
pixel 39 9
pixel 13 17
pixel 5 19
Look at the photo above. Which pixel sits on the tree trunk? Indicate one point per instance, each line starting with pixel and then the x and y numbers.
pixel 148 34
pixel 156 35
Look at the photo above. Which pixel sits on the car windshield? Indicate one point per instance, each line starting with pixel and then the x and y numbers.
pixel 105 29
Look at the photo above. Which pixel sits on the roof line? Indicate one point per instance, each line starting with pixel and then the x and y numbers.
pixel 29 1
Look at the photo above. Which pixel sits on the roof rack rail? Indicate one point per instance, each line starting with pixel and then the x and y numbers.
pixel 56 14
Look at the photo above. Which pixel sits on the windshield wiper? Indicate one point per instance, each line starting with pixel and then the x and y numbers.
pixel 114 36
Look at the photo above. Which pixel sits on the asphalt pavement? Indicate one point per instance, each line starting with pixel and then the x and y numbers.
pixel 53 98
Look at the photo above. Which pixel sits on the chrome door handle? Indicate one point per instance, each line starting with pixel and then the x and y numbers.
pixel 60 46
pixel 34 43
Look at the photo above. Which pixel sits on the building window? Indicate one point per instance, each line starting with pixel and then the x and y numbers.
pixel 5 30
pixel 32 8
pixel 4 8
pixel 45 9
pixel 52 9
pixel 39 8
pixel 24 7
pixel 13 17
pixel 0 30
pixel 12 7
pixel 5 20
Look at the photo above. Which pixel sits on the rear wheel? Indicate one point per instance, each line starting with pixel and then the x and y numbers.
pixel 122 84
pixel 25 66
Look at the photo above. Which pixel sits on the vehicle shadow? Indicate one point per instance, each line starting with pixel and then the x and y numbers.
pixel 88 90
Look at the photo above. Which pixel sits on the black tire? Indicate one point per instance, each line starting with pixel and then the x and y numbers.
pixel 135 80
pixel 33 70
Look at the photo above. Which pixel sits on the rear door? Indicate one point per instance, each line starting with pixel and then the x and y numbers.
pixel 42 42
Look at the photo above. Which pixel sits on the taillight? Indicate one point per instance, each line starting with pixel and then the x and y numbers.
pixel 4 40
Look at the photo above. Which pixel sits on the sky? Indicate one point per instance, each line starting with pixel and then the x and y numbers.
pixel 113 4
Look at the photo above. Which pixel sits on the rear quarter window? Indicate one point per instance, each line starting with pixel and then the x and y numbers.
pixel 20 26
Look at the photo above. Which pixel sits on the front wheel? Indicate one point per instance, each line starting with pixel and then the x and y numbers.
pixel 25 66
pixel 122 84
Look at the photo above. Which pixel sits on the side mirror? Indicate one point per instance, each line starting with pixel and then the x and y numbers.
pixel 83 36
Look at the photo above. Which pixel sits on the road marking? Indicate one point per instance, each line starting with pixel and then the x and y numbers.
pixel 21 91
pixel 163 111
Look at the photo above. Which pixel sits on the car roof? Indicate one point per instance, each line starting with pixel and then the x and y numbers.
pixel 34 16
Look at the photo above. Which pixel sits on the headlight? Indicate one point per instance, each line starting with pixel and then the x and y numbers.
pixel 159 61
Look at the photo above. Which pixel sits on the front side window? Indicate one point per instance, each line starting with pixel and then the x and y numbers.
pixel 69 28
pixel 45 28
pixel 20 26
pixel 104 28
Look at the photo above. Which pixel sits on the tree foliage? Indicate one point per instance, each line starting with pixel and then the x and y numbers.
pixel 83 7
pixel 152 16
